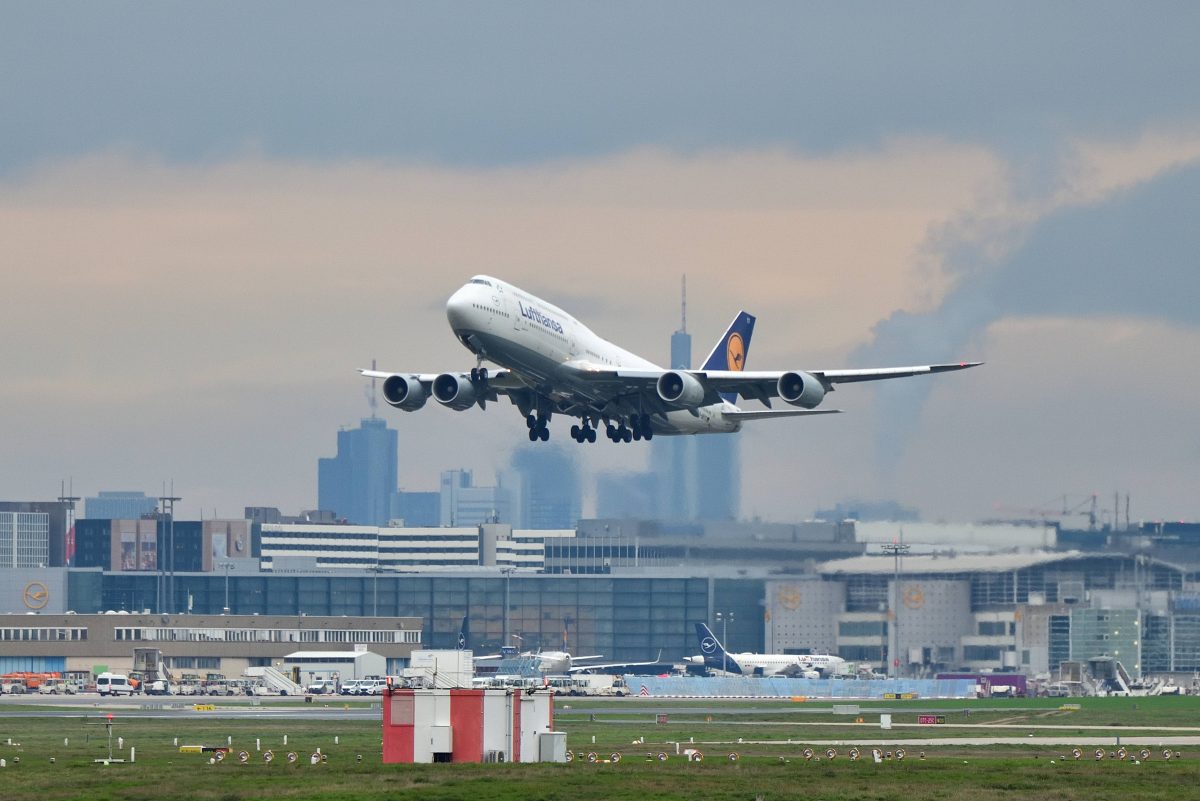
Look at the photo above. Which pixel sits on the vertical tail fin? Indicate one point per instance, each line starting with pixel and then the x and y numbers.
pixel 731 350
pixel 464 633
pixel 713 652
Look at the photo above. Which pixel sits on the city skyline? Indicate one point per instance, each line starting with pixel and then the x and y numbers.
pixel 200 251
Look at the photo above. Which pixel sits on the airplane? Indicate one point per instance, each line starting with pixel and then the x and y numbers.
pixel 552 662
pixel 714 656
pixel 550 363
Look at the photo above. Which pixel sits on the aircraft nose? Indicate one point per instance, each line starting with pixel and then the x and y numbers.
pixel 457 308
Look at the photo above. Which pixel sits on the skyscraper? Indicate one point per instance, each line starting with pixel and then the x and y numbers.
pixel 464 504
pixel 673 459
pixel 699 478
pixel 358 483
pixel 547 495
pixel 108 505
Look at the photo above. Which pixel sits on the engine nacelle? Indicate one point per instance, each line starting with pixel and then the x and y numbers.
pixel 681 389
pixel 801 389
pixel 404 392
pixel 454 390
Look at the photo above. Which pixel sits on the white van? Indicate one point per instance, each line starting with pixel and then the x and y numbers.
pixel 113 684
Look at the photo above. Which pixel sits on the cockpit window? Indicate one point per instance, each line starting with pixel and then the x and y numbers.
pixel 481 281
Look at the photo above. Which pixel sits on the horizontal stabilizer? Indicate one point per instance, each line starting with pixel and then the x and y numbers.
pixel 763 414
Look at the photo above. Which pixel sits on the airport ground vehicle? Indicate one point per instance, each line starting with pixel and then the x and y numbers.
pixel 56 687
pixel 352 687
pixel 114 684
pixel 372 686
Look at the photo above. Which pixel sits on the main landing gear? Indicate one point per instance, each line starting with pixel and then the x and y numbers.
pixel 638 428
pixel 583 433
pixel 539 427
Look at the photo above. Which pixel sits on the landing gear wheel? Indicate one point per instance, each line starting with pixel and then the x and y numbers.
pixel 626 435
pixel 533 434
pixel 530 421
pixel 591 434
pixel 575 434
pixel 545 433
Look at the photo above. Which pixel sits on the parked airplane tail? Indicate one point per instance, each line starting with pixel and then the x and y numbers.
pixel 464 633
pixel 731 350
pixel 713 652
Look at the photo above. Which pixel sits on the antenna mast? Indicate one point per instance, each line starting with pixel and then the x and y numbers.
pixel 684 308
pixel 372 396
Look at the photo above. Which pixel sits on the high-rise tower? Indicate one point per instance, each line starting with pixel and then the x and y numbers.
pixel 358 483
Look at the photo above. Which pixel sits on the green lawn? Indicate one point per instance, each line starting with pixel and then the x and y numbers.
pixel 774 770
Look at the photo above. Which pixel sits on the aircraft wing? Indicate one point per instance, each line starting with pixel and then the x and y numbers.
pixel 879 373
pixel 765 414
pixel 762 385
pixel 611 665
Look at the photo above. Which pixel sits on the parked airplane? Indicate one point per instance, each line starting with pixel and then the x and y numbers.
pixel 553 662
pixel 714 656
pixel 550 363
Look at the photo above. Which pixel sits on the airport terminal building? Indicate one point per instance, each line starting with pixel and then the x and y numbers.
pixel 628 590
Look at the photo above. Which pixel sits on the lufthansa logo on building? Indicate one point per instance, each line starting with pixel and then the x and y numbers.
pixel 708 645
pixel 735 352
pixel 36 595
pixel 914 597
pixel 789 598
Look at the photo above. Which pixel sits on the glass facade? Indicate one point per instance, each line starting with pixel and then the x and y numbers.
pixel 24 539
pixel 1107 632
pixel 621 618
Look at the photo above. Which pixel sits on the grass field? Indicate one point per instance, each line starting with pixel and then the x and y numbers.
pixel 769 767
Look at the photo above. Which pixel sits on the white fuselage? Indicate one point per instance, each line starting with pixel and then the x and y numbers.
pixel 770 664
pixel 536 340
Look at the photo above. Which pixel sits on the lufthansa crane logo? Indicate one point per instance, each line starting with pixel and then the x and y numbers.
pixel 914 597
pixel 36 595
pixel 789 598
pixel 735 352
pixel 708 645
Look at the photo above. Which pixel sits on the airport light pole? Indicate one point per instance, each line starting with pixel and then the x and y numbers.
pixel 897 550
pixel 376 570
pixel 226 565
pixel 507 571
pixel 724 618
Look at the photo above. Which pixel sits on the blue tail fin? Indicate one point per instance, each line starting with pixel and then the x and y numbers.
pixel 464 633
pixel 731 350
pixel 712 650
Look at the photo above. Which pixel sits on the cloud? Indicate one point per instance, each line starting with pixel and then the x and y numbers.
pixel 481 84
pixel 1126 251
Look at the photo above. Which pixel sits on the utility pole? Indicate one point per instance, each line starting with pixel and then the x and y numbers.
pixel 64 497
pixel 724 618
pixel 167 507
pixel 226 565
pixel 507 571
pixel 896 549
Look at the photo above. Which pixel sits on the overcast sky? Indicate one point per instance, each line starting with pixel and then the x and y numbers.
pixel 210 214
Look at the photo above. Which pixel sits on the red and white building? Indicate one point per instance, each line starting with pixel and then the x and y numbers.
pixel 462 725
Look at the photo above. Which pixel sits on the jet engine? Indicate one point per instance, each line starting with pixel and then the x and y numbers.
pixel 681 389
pixel 454 390
pixel 801 389
pixel 404 392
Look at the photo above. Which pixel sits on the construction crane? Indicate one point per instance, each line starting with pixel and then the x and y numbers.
pixel 1085 507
